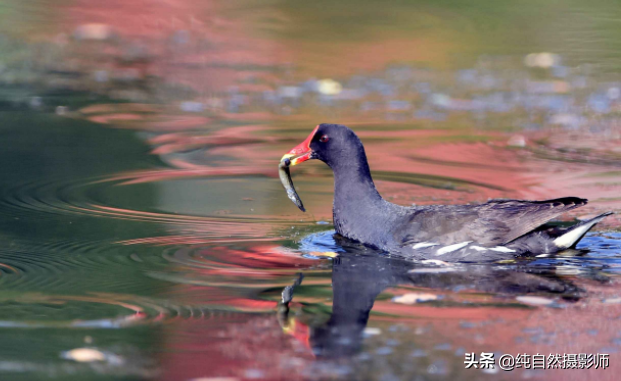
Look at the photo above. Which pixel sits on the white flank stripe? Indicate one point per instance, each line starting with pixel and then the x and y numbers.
pixel 502 249
pixel 448 249
pixel 434 262
pixel 421 245
pixel 478 248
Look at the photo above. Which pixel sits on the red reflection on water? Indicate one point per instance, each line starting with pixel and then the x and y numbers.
pixel 247 344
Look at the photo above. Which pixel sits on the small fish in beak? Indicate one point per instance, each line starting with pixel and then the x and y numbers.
pixel 297 155
pixel 285 179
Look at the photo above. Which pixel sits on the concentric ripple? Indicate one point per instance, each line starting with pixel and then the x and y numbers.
pixel 64 265
pixel 89 204
pixel 109 311
pixel 78 197
pixel 244 266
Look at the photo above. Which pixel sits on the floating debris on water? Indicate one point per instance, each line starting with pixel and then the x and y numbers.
pixel 535 300
pixel 517 141
pixel 413 298
pixel 418 353
pixel 612 301
pixel 84 355
pixel 372 331
pixel 384 351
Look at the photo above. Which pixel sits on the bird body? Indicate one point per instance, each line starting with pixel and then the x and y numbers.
pixel 497 229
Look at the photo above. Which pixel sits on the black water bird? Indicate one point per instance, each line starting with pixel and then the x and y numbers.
pixel 497 229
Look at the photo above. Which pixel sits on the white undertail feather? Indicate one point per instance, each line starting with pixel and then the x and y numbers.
pixel 570 238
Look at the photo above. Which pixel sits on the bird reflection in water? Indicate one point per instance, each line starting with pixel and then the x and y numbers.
pixel 359 276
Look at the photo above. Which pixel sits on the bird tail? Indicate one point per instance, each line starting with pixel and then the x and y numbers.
pixel 574 234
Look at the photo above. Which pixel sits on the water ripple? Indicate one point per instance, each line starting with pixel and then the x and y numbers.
pixel 108 311
pixel 101 197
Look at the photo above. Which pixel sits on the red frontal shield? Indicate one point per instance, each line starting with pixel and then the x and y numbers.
pixel 302 151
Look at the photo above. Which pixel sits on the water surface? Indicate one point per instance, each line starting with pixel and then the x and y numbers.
pixel 146 234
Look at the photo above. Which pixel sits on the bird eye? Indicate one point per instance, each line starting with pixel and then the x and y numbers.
pixel 324 138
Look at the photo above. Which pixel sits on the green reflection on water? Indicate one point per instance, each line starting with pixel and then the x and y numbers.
pixel 57 253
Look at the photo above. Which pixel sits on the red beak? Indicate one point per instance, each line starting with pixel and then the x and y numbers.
pixel 302 151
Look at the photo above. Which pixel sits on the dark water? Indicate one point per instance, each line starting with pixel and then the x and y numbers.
pixel 146 235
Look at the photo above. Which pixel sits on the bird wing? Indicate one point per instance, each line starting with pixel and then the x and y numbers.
pixel 502 221
pixel 497 222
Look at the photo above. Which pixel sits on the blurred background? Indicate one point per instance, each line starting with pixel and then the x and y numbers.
pixel 146 235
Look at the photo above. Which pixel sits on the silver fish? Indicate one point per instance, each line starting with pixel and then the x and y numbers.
pixel 285 179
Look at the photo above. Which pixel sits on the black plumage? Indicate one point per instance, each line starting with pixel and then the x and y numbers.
pixel 493 230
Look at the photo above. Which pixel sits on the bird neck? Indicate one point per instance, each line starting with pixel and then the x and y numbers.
pixel 359 212
pixel 353 184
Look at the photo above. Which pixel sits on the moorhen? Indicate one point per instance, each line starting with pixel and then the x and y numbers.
pixel 497 229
